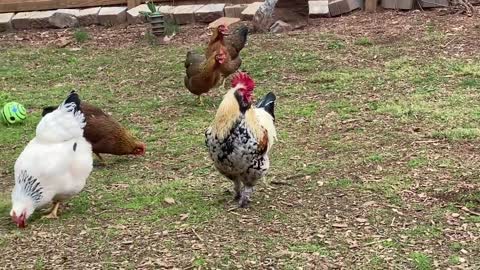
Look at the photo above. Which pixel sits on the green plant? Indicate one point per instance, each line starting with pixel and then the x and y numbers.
pixel 171 28
pixel 153 10
pixel 80 35
pixel 363 41
pixel 421 261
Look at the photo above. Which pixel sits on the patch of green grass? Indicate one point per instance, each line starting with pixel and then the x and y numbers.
pixel 473 219
pixel 199 261
pixel 375 158
pixel 306 110
pixel 417 162
pixel 340 183
pixel 310 248
pixel 454 260
pixel 456 246
pixel 470 83
pixel 343 107
pixel 425 231
pixel 81 35
pixel 377 262
pixel 39 263
pixel 389 186
pixel 336 45
pixel 421 261
pixel 5 204
pixel 363 41
pixel 311 169
pixel 390 244
pixel 457 134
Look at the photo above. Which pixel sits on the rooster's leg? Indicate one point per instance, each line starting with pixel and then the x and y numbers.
pixel 200 101
pixel 245 196
pixel 53 212
pixel 101 160
pixel 224 82
pixel 237 189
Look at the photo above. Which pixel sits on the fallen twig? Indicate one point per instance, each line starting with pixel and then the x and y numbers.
pixel 196 234
pixel 464 208
pixel 275 182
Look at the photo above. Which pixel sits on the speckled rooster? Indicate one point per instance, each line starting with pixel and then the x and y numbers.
pixel 241 137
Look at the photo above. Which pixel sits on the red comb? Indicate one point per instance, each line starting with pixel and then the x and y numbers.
pixel 245 79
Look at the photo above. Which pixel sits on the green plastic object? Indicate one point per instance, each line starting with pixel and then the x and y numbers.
pixel 13 113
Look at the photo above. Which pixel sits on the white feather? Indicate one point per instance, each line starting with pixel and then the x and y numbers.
pixel 61 125
pixel 266 121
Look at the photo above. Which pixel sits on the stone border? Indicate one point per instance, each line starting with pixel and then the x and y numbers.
pixel 183 14
pixel 109 16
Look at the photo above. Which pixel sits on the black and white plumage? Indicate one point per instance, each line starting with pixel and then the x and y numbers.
pixel 55 164
pixel 241 137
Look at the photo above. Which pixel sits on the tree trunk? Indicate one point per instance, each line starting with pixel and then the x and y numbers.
pixel 263 18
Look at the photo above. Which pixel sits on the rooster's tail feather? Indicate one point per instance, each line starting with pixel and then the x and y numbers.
pixel 268 104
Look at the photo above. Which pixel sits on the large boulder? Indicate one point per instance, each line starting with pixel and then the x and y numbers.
pixel 64 19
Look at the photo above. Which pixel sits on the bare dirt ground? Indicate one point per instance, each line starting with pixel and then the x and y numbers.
pixel 376 166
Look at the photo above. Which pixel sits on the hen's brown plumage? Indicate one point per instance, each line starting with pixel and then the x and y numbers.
pixel 202 74
pixel 105 134
pixel 233 44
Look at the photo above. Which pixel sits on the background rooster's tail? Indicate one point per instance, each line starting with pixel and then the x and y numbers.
pixel 64 123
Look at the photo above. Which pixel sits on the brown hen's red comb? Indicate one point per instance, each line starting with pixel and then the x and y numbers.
pixel 244 79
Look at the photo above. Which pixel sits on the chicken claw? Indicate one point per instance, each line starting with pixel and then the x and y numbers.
pixel 245 197
pixel 237 188
pixel 53 212
pixel 200 100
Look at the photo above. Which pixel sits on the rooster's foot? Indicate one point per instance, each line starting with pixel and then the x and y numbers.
pixel 53 213
pixel 200 100
pixel 245 197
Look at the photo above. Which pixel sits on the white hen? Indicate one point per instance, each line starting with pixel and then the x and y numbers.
pixel 55 165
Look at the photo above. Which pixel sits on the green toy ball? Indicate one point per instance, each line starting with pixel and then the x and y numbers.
pixel 13 112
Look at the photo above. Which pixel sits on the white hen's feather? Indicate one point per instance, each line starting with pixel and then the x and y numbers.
pixel 266 121
pixel 61 125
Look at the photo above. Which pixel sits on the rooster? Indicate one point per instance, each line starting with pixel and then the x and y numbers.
pixel 241 137
pixel 55 165
pixel 203 74
pixel 105 134
pixel 233 43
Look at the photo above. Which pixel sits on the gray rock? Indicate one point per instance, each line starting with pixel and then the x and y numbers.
pixel 397 4
pixel 235 11
pixel 6 21
pixel 249 12
pixel 88 16
pixel 318 9
pixel 434 3
pixel 109 16
pixel 209 13
pixel 338 7
pixel 29 20
pixel 185 14
pixel 281 27
pixel 134 15
pixel 63 20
